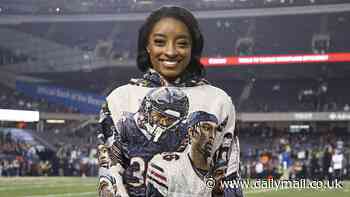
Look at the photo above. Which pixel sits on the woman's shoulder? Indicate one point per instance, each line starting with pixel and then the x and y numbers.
pixel 121 90
pixel 124 91
pixel 213 90
pixel 208 95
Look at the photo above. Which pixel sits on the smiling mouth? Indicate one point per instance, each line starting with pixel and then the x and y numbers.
pixel 169 64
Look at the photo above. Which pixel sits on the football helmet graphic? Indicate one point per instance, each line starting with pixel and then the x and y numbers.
pixel 163 109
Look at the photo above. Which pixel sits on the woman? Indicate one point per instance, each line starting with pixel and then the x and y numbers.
pixel 170 45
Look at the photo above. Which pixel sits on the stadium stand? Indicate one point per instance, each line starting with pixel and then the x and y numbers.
pixel 306 150
pixel 73 154
pixel 297 95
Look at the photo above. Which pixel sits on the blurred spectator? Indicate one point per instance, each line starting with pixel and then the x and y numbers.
pixel 18 158
pixel 337 167
pixel 300 155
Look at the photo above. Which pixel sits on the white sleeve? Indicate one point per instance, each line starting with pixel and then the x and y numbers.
pixel 118 102
pixel 114 102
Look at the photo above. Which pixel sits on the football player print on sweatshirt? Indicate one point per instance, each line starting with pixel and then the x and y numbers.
pixel 157 127
pixel 185 174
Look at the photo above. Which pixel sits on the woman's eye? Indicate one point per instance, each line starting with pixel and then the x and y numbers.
pixel 182 44
pixel 159 42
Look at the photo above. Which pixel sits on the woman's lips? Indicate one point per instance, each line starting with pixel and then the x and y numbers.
pixel 169 64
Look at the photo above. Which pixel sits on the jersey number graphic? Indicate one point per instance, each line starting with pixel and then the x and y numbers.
pixel 140 163
pixel 170 156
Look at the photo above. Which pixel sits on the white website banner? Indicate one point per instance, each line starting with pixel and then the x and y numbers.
pixel 19 115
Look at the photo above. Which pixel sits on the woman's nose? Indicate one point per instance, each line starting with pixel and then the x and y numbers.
pixel 171 51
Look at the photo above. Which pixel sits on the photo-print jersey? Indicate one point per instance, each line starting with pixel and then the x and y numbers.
pixel 173 175
pixel 206 97
pixel 134 148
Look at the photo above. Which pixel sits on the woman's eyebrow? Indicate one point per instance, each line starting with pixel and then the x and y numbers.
pixel 159 35
pixel 183 36
pixel 179 36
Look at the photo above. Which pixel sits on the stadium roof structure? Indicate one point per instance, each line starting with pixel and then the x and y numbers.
pixel 50 56
pixel 210 14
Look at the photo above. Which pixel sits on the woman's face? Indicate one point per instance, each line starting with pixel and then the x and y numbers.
pixel 169 47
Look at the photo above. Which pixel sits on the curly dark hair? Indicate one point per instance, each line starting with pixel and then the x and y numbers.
pixel 183 15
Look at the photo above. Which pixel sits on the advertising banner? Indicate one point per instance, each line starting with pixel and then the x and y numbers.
pixel 85 102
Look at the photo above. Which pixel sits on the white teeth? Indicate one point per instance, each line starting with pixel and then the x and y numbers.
pixel 170 62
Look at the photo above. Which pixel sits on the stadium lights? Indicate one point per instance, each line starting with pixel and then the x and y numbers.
pixel 55 121
pixel 298 128
pixel 143 1
pixel 19 115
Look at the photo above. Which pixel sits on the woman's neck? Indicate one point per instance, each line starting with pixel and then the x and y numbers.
pixel 167 78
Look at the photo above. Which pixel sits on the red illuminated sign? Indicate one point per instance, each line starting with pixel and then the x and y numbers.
pixel 276 59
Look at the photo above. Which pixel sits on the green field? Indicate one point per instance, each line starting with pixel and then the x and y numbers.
pixel 75 186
